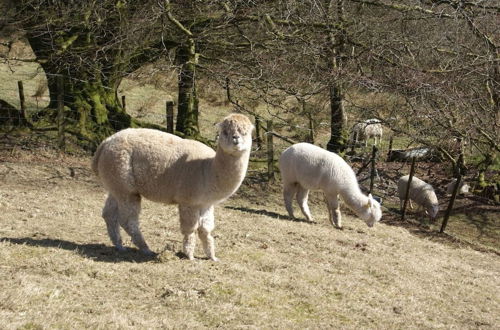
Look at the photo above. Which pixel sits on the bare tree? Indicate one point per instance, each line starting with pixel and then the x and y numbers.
pixel 432 66
pixel 440 60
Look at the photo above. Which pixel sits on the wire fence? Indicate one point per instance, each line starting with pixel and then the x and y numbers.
pixel 269 141
pixel 26 99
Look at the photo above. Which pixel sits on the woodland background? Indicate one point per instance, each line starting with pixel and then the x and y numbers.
pixel 429 70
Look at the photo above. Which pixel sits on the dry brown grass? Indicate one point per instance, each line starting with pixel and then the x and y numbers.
pixel 59 270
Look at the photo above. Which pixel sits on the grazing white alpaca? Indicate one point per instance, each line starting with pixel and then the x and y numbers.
pixel 463 188
pixel 421 193
pixel 307 167
pixel 162 167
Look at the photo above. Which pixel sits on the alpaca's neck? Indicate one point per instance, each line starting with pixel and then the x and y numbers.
pixel 354 198
pixel 228 171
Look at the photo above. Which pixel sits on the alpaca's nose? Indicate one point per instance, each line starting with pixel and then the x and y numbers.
pixel 236 139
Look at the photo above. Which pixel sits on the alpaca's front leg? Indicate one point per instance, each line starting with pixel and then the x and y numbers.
pixel 206 225
pixel 189 218
pixel 337 217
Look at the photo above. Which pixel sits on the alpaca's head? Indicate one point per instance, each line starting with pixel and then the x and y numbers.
pixel 235 134
pixel 432 211
pixel 371 211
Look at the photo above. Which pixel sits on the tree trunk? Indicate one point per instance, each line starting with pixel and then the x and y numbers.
pixel 187 109
pixel 95 108
pixel 92 107
pixel 338 133
pixel 338 139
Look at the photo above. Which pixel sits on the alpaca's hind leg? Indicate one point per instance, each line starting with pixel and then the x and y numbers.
pixel 189 220
pixel 302 197
pixel 129 220
pixel 111 215
pixel 289 192
pixel 206 225
pixel 332 203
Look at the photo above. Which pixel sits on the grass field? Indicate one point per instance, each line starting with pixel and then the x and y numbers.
pixel 59 269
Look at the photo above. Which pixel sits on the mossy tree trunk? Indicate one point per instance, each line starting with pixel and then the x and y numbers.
pixel 93 44
pixel 187 111
pixel 92 108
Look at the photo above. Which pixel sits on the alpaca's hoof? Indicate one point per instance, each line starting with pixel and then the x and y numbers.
pixel 338 227
pixel 214 259
pixel 120 248
pixel 149 253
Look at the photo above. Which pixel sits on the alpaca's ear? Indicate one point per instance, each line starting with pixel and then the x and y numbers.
pixel 370 201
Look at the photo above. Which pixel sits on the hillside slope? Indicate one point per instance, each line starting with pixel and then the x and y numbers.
pixel 59 270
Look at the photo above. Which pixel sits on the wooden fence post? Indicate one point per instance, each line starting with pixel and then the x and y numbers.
pixel 407 193
pixel 22 102
pixel 390 147
pixel 60 111
pixel 124 103
pixel 373 168
pixel 452 201
pixel 270 151
pixel 311 127
pixel 258 140
pixel 170 117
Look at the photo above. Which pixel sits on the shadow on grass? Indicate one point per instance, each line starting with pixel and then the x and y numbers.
pixel 483 217
pixel 268 213
pixel 478 229
pixel 97 252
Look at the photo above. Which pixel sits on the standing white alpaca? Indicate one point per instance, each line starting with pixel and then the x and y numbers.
pixel 162 167
pixel 368 129
pixel 307 167
pixel 373 129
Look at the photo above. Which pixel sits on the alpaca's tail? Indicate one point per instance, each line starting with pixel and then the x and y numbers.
pixel 95 160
